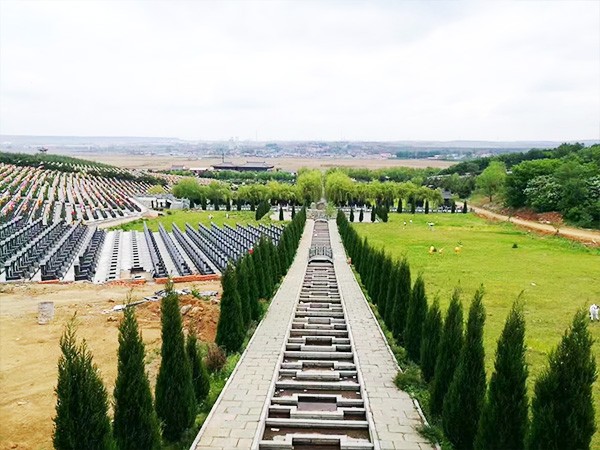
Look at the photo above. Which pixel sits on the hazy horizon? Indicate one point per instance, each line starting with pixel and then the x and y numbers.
pixel 271 71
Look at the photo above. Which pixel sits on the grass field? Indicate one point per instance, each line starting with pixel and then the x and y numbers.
pixel 193 218
pixel 556 276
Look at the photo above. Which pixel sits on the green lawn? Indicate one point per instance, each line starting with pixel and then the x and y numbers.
pixel 556 276
pixel 193 218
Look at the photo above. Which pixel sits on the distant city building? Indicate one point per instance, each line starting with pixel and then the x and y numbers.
pixel 259 166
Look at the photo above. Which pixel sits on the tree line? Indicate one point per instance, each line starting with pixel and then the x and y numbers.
pixel 254 277
pixel 473 414
pixel 142 422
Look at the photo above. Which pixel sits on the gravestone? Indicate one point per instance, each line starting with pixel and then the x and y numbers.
pixel 45 312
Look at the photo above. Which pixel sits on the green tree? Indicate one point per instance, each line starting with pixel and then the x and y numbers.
pixel 403 292
pixel 386 309
pixel 503 422
pixel 464 399
pixel 253 292
pixel 81 419
pixel 491 181
pixel 230 329
pixel 432 332
pixel 243 288
pixel 135 424
pixel 415 317
pixel 175 399
pixel 310 185
pixel 361 215
pixel 563 407
pixel 200 377
pixel 450 346
pixel 339 187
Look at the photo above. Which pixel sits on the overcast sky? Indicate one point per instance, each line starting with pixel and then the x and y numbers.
pixel 389 70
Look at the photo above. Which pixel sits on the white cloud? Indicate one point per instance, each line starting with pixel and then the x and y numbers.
pixel 302 70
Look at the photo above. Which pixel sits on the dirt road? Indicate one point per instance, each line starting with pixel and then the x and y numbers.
pixel 588 236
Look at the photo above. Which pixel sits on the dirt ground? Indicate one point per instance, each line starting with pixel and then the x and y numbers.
pixel 29 352
pixel 292 164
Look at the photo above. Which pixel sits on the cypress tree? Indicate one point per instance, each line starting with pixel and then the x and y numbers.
pixel 387 281
pixel 432 332
pixel 464 208
pixel 175 399
pixel 415 317
pixel 503 422
pixel 453 207
pixel 351 215
pixel 243 291
pixel 200 377
pixel 377 278
pixel 135 423
pixel 230 329
pixel 293 211
pixel 426 206
pixel 261 281
pixel 388 307
pixel 563 406
pixel 81 419
pixel 373 214
pixel 403 289
pixel 253 293
pixel 399 210
pixel 464 399
pixel 361 215
pixel 448 352
pixel 413 206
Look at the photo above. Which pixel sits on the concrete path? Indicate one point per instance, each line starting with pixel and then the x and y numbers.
pixel 395 416
pixel 235 418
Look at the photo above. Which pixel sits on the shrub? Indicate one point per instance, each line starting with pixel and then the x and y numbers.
pixel 215 358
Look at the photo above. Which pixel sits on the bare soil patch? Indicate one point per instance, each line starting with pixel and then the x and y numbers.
pixel 292 164
pixel 29 352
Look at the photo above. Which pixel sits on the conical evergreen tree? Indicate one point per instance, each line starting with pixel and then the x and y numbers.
pixel 175 399
pixel 230 329
pixel 377 278
pixel 399 210
pixel 253 292
pixel 243 291
pixel 503 422
pixel 563 406
pixel 280 212
pixel 373 214
pixel 351 214
pixel 389 305
pixel 259 267
pixel 403 291
pixel 81 419
pixel 464 399
pixel 361 215
pixel 448 352
pixel 200 377
pixel 432 332
pixel 293 211
pixel 135 425
pixel 386 282
pixel 415 317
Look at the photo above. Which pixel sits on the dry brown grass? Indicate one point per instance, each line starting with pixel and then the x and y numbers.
pixel 292 164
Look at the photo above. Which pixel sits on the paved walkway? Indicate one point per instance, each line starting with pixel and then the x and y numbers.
pixel 235 418
pixel 395 416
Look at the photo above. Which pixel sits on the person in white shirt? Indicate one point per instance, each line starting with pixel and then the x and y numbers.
pixel 594 312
